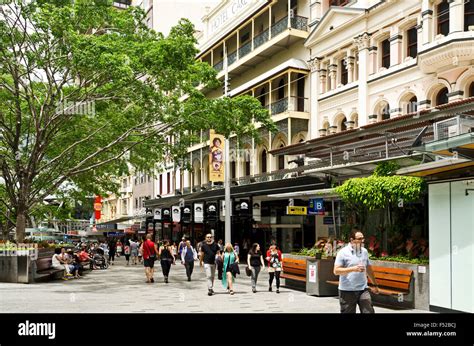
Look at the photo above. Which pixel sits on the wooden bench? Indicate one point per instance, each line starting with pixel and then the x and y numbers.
pixel 394 282
pixel 43 269
pixel 294 272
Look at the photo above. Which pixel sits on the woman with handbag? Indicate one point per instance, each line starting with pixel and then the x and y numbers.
pixel 255 263
pixel 231 265
pixel 274 266
pixel 167 258
pixel 150 252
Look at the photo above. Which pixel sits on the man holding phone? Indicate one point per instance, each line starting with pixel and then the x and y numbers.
pixel 353 265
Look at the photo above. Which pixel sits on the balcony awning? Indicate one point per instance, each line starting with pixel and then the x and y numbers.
pixel 437 167
pixel 326 193
pixel 297 64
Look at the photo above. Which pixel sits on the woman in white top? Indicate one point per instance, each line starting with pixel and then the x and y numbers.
pixel 59 263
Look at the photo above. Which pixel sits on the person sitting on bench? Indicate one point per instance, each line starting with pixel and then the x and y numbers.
pixel 58 262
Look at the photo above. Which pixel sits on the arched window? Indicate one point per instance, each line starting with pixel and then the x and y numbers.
pixel 442 97
pixel 443 17
pixel 263 161
pixel 385 112
pixel 468 14
pixel 281 159
pixel 281 89
pixel 343 124
pixel 471 90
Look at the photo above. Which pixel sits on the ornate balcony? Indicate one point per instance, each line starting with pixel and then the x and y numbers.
pixel 260 39
pixel 245 49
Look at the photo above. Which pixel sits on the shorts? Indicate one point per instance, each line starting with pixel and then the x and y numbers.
pixel 149 263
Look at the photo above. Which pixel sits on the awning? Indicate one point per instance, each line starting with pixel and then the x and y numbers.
pixel 431 168
pixel 327 193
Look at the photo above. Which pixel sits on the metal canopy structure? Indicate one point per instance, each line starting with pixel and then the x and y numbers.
pixel 356 152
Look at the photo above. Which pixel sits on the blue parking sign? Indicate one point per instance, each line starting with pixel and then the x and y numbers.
pixel 316 206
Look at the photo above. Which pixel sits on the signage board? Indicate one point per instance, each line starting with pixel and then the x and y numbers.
pixel 312 273
pixel 257 210
pixel 296 210
pixel 316 206
pixel 198 212
pixel 176 213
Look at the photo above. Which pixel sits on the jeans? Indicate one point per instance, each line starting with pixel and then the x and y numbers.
pixel 255 272
pixel 349 299
pixel 189 268
pixel 210 274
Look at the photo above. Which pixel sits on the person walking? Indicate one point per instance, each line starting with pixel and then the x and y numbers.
pixel 236 249
pixel 150 252
pixel 181 246
pixel 229 258
pixel 119 248
pixel 134 251
pixel 112 250
pixel 208 256
pixel 352 264
pixel 221 245
pixel 274 266
pixel 188 256
pixel 140 252
pixel 166 259
pixel 255 264
pixel 126 252
pixel 219 263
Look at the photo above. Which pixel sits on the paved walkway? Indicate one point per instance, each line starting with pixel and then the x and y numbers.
pixel 122 289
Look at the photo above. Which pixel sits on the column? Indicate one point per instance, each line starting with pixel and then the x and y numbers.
pixel 314 90
pixel 269 23
pixel 323 79
pixel 456 15
pixel 349 61
pixel 419 30
pixel 289 10
pixel 238 44
pixel 373 65
pixel 427 20
pixel 290 106
pixel 332 71
pixel 253 32
pixel 362 43
pixel 395 47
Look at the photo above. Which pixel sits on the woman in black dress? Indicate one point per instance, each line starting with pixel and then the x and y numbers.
pixel 166 259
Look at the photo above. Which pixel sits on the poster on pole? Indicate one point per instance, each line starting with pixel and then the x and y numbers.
pixel 216 157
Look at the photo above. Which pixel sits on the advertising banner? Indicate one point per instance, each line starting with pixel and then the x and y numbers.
pixel 176 213
pixel 216 157
pixel 198 212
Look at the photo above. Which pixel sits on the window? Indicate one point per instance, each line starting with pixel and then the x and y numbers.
pixel 124 183
pixel 338 2
pixel 247 167
pixel 281 89
pixel 244 37
pixel 471 90
pixel 385 53
pixel 442 97
pixel 343 69
pixel 232 169
pixel 343 124
pixel 281 159
pixel 168 182
pixel 160 182
pixel 263 160
pixel 262 97
pixel 412 42
pixel 442 11
pixel 136 203
pixel 412 105
pixel 468 14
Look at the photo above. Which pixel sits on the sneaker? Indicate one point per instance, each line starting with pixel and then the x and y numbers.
pixel 278 291
pixel 212 291
pixel 65 278
pixel 231 292
pixel 209 293
pixel 270 289
pixel 254 290
pixel 189 279
pixel 166 280
pixel 152 280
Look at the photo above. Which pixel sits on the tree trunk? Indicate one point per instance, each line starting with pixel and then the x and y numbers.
pixel 20 226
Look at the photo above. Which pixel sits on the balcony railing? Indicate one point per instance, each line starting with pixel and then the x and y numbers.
pixel 300 23
pixel 232 57
pixel 245 49
pixel 260 39
pixel 296 22
pixel 279 106
pixel 219 66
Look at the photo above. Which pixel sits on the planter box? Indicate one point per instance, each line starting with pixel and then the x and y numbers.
pixel 323 272
pixel 15 269
pixel 316 284
pixel 421 276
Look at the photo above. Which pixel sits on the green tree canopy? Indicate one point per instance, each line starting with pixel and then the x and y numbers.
pixel 88 91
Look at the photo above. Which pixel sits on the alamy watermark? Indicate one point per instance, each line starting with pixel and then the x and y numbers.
pixel 21 249
pixel 76 108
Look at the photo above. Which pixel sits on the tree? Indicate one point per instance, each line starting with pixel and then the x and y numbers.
pixel 87 91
